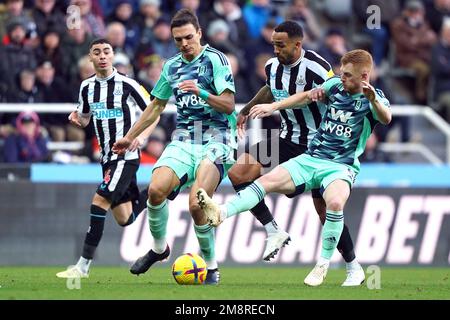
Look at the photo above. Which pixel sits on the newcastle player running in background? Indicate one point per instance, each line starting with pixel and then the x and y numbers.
pixel 112 100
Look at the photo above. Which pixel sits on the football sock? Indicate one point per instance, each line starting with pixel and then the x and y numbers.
pixel 140 203
pixel 84 264
pixel 271 227
pixel 157 219
pixel 345 245
pixel 95 231
pixel 352 265
pixel 206 240
pixel 245 199
pixel 260 211
pixel 332 229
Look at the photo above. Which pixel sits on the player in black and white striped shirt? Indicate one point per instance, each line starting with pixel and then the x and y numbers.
pixel 112 100
pixel 293 70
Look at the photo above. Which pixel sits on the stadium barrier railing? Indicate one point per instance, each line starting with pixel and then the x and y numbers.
pixel 397 110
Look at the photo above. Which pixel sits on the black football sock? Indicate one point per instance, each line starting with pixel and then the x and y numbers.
pixel 95 232
pixel 345 245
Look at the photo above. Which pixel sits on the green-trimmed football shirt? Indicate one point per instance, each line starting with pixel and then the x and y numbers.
pixel 197 122
pixel 346 126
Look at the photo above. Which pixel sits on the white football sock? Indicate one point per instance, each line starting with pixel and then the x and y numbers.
pixel 84 264
pixel 271 227
pixel 352 265
pixel 211 264
pixel 159 245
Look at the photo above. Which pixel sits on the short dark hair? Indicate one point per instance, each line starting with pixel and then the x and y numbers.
pixel 292 28
pixel 99 41
pixel 183 17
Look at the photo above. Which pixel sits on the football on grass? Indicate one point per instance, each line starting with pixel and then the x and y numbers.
pixel 189 268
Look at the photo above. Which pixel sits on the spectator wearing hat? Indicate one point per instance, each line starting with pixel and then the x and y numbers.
pixel 218 33
pixel 333 48
pixel 122 63
pixel 28 144
pixel 15 56
pixel 413 40
pixel 15 10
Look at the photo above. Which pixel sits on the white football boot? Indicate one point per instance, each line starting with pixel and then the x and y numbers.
pixel 274 242
pixel 209 207
pixel 73 272
pixel 317 275
pixel 355 276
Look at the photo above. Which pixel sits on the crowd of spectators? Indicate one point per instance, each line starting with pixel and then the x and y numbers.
pixel 44 46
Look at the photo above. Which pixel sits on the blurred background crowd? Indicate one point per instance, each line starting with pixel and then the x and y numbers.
pixel 44 59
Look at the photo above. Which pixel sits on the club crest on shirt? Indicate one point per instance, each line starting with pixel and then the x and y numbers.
pixel 300 81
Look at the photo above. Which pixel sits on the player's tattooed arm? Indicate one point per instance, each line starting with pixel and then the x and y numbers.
pixel 299 99
pixel 264 95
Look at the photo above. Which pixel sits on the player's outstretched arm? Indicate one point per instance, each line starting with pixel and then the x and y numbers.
pixel 264 95
pixel 149 116
pixel 383 113
pixel 294 101
pixel 139 141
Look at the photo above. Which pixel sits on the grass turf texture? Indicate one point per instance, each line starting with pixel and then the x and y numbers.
pixel 271 283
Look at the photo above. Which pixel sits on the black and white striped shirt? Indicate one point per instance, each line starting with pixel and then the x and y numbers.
pixel 114 103
pixel 298 125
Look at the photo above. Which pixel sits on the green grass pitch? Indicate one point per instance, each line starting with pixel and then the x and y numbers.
pixel 266 283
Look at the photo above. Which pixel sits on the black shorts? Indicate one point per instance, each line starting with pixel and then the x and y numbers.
pixel 119 181
pixel 265 152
